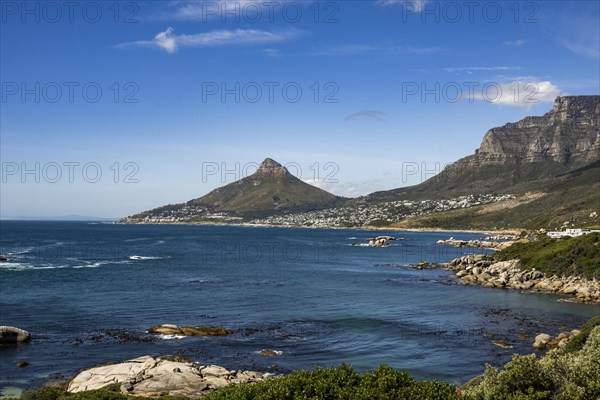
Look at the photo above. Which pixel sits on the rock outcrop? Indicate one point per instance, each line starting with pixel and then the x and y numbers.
pixel 209 330
pixel 477 270
pixel 533 149
pixel 11 335
pixel 163 376
pixel 476 243
pixel 544 341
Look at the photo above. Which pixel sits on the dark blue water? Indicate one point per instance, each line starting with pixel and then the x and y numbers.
pixel 88 292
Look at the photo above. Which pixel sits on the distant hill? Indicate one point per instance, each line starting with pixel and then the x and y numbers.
pixel 271 190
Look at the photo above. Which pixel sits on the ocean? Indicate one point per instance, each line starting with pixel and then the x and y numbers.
pixel 88 292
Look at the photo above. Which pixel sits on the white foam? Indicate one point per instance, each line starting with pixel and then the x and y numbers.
pixel 144 258
pixel 170 337
pixel 25 266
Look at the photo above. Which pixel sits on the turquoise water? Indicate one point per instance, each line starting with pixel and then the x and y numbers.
pixel 88 292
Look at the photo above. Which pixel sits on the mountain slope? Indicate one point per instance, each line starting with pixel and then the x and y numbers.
pixel 271 190
pixel 517 155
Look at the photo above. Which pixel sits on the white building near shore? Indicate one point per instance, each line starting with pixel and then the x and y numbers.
pixel 571 233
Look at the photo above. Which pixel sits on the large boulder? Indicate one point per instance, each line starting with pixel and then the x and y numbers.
pixel 163 376
pixel 541 341
pixel 11 335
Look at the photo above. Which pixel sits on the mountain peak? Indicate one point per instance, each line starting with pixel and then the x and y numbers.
pixel 269 163
pixel 271 168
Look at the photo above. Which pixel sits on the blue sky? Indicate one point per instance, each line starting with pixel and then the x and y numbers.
pixel 109 108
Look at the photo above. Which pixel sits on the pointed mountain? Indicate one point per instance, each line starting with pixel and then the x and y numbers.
pixel 271 190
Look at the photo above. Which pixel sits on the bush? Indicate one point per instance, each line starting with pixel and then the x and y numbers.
pixel 578 341
pixel 385 383
pixel 560 375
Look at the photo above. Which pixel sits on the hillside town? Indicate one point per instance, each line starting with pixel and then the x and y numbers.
pixel 377 214
pixel 358 215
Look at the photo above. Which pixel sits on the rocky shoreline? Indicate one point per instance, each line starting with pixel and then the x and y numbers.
pixel 476 243
pixel 477 270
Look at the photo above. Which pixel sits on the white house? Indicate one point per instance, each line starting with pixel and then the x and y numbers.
pixel 571 232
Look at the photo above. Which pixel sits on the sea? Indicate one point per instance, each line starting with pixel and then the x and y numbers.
pixel 88 293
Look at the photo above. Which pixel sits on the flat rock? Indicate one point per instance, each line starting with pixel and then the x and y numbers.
pixel 208 330
pixel 214 370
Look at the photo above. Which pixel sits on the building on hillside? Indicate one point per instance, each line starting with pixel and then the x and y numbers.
pixel 571 233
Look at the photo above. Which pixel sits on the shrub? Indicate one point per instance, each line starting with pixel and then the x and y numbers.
pixel 560 375
pixel 578 341
pixel 385 383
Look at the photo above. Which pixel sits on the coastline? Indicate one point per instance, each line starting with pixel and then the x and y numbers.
pixel 366 228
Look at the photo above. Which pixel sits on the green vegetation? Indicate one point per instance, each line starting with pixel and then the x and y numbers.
pixel 379 223
pixel 559 375
pixel 578 341
pixel 341 383
pixel 547 203
pixel 111 392
pixel 578 256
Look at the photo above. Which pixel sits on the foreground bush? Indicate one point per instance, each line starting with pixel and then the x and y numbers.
pixel 341 383
pixel 560 375
pixel 111 392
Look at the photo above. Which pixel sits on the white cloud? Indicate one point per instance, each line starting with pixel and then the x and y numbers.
pixel 170 43
pixel 348 189
pixel 417 5
pixel 166 41
pixel 518 94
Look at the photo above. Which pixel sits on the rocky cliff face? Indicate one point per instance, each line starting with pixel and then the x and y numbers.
pixel 270 169
pixel 533 149
pixel 519 157
pixel 568 134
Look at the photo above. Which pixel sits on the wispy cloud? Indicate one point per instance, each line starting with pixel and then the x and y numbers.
pixel 518 42
pixel 170 42
pixel 370 114
pixel 226 10
pixel 577 28
pixel 357 49
pixel 479 69
pixel 588 47
pixel 416 5
pixel 272 52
